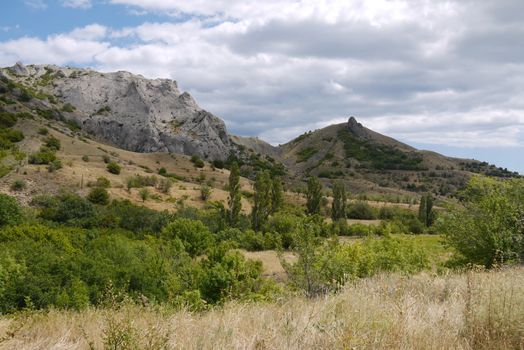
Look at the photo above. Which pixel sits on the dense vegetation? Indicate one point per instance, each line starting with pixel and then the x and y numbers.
pixel 378 156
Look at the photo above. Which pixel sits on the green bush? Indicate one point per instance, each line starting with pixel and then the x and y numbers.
pixel 98 195
pixel 199 163
pixel 52 143
pixel 114 168
pixel 487 227
pixel 54 165
pixel 10 211
pixel 68 108
pixel 361 210
pixel 44 156
pixel 18 185
pixel 194 235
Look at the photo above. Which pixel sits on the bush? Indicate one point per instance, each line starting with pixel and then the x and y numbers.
pixel 194 235
pixel 18 185
pixel 68 108
pixel 52 143
pixel 44 156
pixel 7 120
pixel 85 158
pixel 361 211
pixel 114 168
pixel 54 165
pixel 199 163
pixel 43 131
pixel 487 227
pixel 10 211
pixel 98 195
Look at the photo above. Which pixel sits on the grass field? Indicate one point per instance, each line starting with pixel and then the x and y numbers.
pixel 470 310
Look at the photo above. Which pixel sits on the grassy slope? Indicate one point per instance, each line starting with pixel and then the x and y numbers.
pixel 474 310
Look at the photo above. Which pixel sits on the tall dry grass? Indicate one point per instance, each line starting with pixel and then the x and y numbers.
pixel 471 310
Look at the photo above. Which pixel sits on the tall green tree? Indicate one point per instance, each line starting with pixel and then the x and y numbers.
pixel 235 197
pixel 425 209
pixel 338 209
pixel 262 200
pixel 277 194
pixel 313 195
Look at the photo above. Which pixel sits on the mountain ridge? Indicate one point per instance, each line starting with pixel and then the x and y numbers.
pixel 152 115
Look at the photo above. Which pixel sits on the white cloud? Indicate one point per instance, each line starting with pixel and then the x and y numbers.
pixel 36 4
pixel 82 4
pixel 422 71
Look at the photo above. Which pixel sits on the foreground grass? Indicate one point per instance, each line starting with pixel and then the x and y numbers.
pixel 471 310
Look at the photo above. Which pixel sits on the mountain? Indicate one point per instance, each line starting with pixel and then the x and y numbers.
pixel 129 111
pixel 370 162
pixel 147 116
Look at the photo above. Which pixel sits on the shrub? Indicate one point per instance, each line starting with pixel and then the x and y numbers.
pixel 18 185
pixel 205 192
pixel 98 195
pixel 164 185
pixel 162 171
pixel 44 156
pixel 193 234
pixel 68 108
pixel 85 158
pixel 7 119
pixel 199 163
pixel 52 143
pixel 486 228
pixel 54 165
pixel 114 168
pixel 43 131
pixel 144 194
pixel 10 211
pixel 362 211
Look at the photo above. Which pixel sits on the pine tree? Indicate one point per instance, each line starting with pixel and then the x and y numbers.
pixel 262 200
pixel 338 209
pixel 313 195
pixel 277 195
pixel 235 197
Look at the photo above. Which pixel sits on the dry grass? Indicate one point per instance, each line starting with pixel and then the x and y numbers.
pixel 474 310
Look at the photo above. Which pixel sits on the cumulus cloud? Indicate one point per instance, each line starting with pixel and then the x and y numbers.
pixel 439 72
pixel 36 4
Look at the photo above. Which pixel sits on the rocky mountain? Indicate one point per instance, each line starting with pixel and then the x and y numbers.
pixel 143 115
pixel 371 162
pixel 130 111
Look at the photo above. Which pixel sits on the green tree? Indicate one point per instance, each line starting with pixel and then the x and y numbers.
pixel 235 196
pixel 338 209
pixel 205 192
pixel 313 195
pixel 277 194
pixel 10 212
pixel 425 210
pixel 487 227
pixel 262 200
pixel 193 234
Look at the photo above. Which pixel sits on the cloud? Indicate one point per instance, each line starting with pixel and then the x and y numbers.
pixel 81 4
pixel 433 72
pixel 36 4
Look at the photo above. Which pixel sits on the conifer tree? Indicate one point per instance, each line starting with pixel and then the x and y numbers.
pixel 262 200
pixel 235 197
pixel 338 209
pixel 277 195
pixel 313 195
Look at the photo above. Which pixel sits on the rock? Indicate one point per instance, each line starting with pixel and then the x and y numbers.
pixel 19 69
pixel 357 129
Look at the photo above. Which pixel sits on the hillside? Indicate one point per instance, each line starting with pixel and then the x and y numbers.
pixel 145 125
pixel 370 162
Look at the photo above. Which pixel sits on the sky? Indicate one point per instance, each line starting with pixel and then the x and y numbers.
pixel 446 76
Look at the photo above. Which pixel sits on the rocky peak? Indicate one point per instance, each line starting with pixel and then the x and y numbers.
pixel 19 69
pixel 357 129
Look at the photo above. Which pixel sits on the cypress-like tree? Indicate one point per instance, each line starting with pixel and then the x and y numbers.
pixel 425 209
pixel 262 200
pixel 235 196
pixel 313 195
pixel 338 209
pixel 277 195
